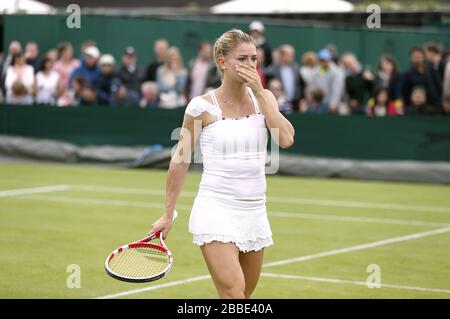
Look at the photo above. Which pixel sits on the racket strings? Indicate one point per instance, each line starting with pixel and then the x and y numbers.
pixel 139 262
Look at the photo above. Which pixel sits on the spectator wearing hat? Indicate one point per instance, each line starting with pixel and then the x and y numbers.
pixel 108 83
pixel 288 72
pixel 88 69
pixel 199 70
pixel 358 83
pixel 257 31
pixel 66 63
pixel 131 76
pixel 171 78
pixel 19 81
pixel 329 78
pixel 160 48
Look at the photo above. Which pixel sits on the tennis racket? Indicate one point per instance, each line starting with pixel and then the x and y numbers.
pixel 141 261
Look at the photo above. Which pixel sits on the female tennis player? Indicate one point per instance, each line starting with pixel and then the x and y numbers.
pixel 228 218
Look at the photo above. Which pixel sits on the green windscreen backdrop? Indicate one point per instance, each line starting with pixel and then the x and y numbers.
pixel 425 138
pixel 113 34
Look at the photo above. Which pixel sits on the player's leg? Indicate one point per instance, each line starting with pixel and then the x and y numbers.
pixel 251 263
pixel 222 260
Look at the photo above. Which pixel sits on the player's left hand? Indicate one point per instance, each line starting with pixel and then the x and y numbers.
pixel 250 76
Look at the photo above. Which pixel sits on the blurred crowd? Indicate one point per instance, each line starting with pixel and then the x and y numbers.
pixel 321 82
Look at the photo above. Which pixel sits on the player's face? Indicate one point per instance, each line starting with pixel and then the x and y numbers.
pixel 243 53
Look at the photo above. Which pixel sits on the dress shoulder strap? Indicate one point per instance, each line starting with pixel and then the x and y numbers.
pixel 255 103
pixel 216 104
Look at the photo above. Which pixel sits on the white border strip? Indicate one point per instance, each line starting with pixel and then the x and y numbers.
pixel 293 260
pixel 351 282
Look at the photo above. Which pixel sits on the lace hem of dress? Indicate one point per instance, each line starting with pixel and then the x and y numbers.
pixel 246 246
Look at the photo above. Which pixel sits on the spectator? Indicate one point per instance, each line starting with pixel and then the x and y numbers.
pixel 288 72
pixel 446 85
pixel 14 47
pixel 32 55
pixel 149 92
pixel 199 69
pixel 435 67
pixel 160 49
pixel 387 76
pixel 334 52
pixel 313 102
pixel 446 104
pixel 131 76
pixel 257 31
pixel 46 85
pixel 358 83
pixel 108 83
pixel 419 75
pixel 419 102
pixel 72 96
pixel 88 68
pixel 19 81
pixel 171 79
pixel 328 78
pixel 66 63
pixel 381 105
pixel 86 44
pixel 276 88
pixel 309 65
pixel 52 54
pixel 260 68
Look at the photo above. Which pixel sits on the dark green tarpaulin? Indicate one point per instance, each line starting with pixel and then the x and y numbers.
pixel 422 138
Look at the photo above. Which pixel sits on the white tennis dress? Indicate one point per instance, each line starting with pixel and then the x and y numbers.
pixel 230 205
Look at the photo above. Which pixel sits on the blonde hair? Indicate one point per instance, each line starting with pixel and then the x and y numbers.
pixel 227 42
pixel 170 52
pixel 309 58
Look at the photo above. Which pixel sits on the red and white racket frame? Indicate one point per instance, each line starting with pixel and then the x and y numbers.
pixel 144 242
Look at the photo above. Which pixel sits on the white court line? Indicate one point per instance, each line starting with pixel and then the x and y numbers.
pixel 351 282
pixel 359 247
pixel 357 219
pixel 169 284
pixel 277 199
pixel 356 204
pixel 124 203
pixel 34 190
pixel 299 259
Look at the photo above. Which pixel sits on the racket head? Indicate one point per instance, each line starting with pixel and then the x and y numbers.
pixel 140 261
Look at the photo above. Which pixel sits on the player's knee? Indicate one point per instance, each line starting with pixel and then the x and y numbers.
pixel 234 292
